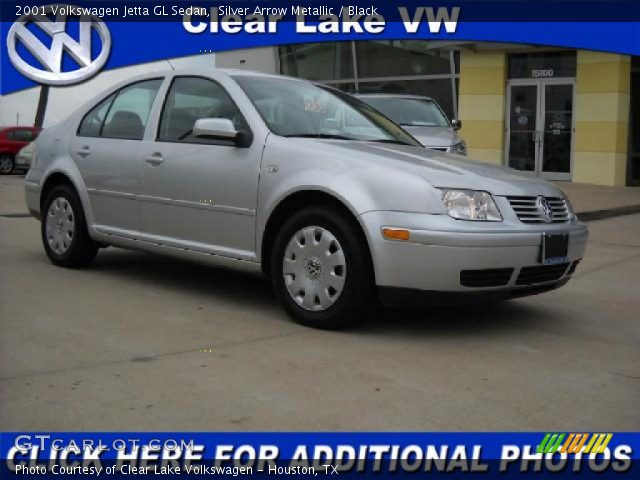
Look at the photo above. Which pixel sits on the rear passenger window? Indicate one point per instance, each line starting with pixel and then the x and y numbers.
pixel 92 122
pixel 123 114
pixel 192 98
pixel 129 112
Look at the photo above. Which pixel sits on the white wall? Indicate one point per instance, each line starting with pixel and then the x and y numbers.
pixel 262 59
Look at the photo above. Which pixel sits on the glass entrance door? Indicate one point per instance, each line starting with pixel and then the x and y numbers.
pixel 540 127
pixel 523 127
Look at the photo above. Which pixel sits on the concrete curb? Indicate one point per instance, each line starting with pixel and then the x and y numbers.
pixel 608 213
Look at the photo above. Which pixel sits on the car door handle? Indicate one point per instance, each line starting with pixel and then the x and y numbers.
pixel 155 159
pixel 84 151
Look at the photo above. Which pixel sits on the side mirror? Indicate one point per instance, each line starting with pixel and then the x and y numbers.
pixel 215 129
pixel 456 124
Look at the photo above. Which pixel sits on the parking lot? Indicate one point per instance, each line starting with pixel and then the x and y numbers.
pixel 139 342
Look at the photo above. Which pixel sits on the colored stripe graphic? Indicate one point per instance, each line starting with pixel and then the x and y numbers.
pixel 575 443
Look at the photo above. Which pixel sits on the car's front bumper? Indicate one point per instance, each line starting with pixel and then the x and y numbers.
pixel 440 248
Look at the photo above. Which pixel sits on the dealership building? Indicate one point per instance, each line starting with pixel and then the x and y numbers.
pixel 560 114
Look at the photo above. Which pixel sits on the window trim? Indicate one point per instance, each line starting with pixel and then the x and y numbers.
pixel 215 143
pixel 115 95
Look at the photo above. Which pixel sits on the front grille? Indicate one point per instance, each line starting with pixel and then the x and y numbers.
pixel 541 274
pixel 494 277
pixel 526 210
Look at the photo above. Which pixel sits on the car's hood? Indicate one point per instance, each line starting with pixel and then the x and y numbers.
pixel 438 168
pixel 433 136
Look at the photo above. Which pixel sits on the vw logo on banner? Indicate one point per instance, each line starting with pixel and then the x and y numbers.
pixel 50 71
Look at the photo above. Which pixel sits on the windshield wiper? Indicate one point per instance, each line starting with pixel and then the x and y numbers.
pixel 320 135
pixel 389 140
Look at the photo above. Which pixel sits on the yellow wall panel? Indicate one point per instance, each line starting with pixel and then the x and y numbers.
pixel 603 77
pixel 481 107
pixel 599 168
pixel 482 80
pixel 601 137
pixel 602 107
pixel 483 134
pixel 587 56
pixel 489 155
pixel 495 58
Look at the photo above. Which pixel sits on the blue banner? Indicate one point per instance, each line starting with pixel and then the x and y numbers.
pixel 386 455
pixel 147 31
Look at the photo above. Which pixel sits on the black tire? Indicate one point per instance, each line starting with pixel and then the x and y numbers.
pixel 7 164
pixel 357 300
pixel 82 249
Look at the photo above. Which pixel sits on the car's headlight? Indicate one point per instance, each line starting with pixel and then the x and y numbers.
pixel 460 148
pixel 470 205
pixel 572 213
pixel 29 152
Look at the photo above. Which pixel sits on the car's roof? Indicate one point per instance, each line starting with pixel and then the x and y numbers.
pixel 232 72
pixel 391 95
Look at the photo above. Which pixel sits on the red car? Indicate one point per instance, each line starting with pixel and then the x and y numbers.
pixel 12 140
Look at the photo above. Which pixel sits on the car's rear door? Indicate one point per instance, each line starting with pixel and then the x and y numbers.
pixel 109 148
pixel 200 194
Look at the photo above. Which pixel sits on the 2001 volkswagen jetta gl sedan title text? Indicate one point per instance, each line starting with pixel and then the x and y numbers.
pixel 333 201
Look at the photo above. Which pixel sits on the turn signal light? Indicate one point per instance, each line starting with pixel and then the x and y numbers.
pixel 395 234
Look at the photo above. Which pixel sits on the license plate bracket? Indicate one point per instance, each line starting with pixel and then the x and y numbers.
pixel 554 249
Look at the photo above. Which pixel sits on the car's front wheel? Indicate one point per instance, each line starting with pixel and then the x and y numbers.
pixel 7 164
pixel 321 270
pixel 64 231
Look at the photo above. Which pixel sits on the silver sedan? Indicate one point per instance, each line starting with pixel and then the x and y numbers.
pixel 335 203
pixel 422 117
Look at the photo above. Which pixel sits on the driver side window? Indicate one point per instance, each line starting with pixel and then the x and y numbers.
pixel 193 98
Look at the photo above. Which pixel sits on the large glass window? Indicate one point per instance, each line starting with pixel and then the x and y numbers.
pixel 317 61
pixel 409 111
pixel 410 66
pixel 392 58
pixel 193 98
pixel 441 90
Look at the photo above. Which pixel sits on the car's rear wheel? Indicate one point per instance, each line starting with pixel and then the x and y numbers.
pixel 321 271
pixel 65 236
pixel 7 164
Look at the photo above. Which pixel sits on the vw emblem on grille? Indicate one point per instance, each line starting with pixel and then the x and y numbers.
pixel 544 208
pixel 50 58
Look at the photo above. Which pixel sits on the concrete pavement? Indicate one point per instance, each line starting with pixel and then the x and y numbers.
pixel 138 342
pixel 593 202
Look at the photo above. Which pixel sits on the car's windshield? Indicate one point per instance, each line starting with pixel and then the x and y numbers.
pixel 410 112
pixel 292 108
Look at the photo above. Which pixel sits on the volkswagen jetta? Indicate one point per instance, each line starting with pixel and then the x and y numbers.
pixel 334 202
